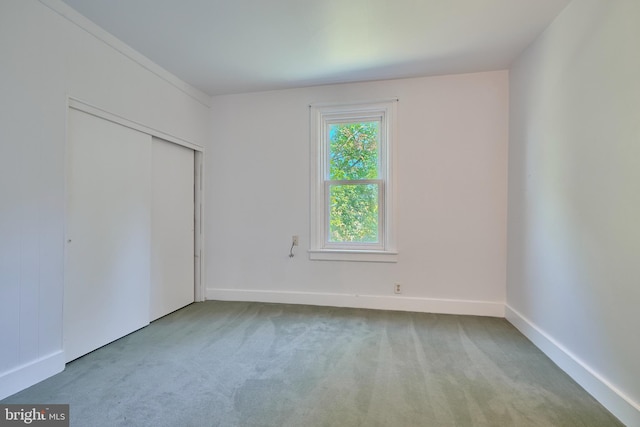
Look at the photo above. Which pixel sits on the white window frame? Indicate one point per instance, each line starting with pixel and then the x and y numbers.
pixel 322 115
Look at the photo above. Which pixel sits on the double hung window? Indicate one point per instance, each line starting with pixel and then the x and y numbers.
pixel 352 183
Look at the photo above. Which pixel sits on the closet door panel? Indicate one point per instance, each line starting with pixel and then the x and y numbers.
pixel 172 249
pixel 107 275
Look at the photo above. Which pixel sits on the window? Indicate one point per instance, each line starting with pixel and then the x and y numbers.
pixel 352 182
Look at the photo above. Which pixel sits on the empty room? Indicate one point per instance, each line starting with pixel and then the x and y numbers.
pixel 320 213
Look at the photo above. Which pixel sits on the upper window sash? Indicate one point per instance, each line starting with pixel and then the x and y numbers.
pixel 381 141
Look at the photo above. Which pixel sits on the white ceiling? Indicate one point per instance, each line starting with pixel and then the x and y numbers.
pixel 232 46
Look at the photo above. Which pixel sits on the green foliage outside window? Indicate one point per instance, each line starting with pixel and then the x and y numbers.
pixel 354 155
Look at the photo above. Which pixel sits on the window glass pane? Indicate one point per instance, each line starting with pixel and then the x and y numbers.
pixel 353 213
pixel 353 150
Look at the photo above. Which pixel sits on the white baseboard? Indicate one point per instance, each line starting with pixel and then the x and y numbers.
pixel 30 373
pixel 378 302
pixel 595 384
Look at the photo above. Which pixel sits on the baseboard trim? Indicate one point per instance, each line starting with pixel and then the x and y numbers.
pixel 595 384
pixel 30 373
pixel 376 302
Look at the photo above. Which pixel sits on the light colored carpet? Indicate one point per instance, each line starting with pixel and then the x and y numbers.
pixel 255 364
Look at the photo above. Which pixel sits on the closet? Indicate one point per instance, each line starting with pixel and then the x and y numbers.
pixel 130 231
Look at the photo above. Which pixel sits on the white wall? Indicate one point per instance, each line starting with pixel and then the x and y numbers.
pixel 451 179
pixel 43 59
pixel 574 198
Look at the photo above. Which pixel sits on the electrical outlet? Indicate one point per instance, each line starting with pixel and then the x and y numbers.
pixel 294 240
pixel 397 288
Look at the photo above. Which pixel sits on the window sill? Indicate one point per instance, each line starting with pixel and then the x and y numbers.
pixel 352 255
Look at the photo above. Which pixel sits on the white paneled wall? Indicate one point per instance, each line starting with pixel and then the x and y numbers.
pixel 44 58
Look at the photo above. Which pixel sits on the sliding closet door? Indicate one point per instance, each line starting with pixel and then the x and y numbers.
pixel 172 225
pixel 107 282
